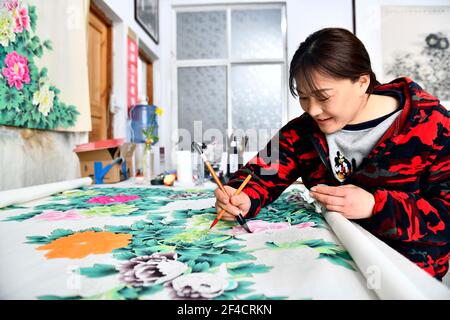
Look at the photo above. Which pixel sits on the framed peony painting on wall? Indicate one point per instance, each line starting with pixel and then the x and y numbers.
pixel 408 41
pixel 43 83
pixel 419 53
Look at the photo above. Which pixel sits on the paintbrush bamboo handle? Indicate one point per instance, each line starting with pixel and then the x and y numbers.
pixel 215 177
pixel 242 186
pixel 221 213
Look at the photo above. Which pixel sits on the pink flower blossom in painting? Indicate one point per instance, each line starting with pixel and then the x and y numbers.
pixel 112 199
pixel 20 15
pixel 16 70
pixel 304 225
pixel 22 20
pixel 257 226
pixel 51 215
pixel 11 4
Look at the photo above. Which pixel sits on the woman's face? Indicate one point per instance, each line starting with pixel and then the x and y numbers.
pixel 344 100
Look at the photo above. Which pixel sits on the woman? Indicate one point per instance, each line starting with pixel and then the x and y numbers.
pixel 377 154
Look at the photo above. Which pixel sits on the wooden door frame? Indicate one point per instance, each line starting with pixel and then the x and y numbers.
pixel 96 11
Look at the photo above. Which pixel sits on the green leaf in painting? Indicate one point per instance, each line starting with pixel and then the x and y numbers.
pixel 201 267
pixel 263 297
pixel 146 291
pixel 99 270
pixel 24 216
pixel 50 297
pixel 124 255
pixel 248 269
pixel 129 293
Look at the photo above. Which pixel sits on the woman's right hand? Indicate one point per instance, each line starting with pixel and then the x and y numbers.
pixel 233 205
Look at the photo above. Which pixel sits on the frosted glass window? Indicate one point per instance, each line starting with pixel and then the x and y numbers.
pixel 202 35
pixel 256 96
pixel 256 34
pixel 202 96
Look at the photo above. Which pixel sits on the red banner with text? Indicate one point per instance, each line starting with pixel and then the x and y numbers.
pixel 133 54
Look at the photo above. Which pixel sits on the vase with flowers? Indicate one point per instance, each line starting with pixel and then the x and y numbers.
pixel 148 158
pixel 151 138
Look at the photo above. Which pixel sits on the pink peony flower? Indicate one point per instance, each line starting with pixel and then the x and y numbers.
pixel 257 226
pixel 20 15
pixel 51 215
pixel 112 199
pixel 11 4
pixel 22 20
pixel 304 225
pixel 16 70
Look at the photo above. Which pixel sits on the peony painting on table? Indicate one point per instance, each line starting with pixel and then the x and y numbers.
pixel 151 243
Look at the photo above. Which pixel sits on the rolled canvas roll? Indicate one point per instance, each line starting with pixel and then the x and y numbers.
pixel 22 195
pixel 384 277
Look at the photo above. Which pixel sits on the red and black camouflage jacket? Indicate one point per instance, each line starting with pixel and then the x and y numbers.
pixel 408 172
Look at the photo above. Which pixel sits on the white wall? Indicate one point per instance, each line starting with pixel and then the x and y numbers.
pixel 304 17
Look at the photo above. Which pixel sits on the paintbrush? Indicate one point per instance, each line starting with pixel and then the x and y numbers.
pixel 197 147
pixel 239 217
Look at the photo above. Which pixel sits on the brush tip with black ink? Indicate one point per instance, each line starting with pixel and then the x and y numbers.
pixel 243 224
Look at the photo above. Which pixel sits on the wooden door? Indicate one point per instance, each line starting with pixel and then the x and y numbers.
pixel 99 58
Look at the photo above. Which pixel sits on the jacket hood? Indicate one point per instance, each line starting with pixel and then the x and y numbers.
pixel 416 99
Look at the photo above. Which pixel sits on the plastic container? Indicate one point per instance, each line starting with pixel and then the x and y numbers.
pixel 143 116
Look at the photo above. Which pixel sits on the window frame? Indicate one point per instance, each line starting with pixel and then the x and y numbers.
pixel 229 62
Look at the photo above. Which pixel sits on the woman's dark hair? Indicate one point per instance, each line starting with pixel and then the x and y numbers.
pixel 333 52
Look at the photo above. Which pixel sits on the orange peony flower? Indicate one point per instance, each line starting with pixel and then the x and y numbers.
pixel 82 244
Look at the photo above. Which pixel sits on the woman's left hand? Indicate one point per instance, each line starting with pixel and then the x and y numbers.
pixel 351 201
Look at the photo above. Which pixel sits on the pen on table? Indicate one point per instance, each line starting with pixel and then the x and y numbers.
pixel 195 146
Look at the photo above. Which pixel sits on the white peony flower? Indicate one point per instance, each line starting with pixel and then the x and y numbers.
pixel 7 25
pixel 44 98
pixel 151 270
pixel 199 285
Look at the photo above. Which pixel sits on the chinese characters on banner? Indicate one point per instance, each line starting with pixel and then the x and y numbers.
pixel 133 53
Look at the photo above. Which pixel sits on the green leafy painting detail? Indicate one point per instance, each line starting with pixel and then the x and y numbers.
pixel 205 255
pixel 199 249
pixel 290 207
pixel 180 242
pixel 112 210
pixel 119 293
pixel 94 201
pixel 27 98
